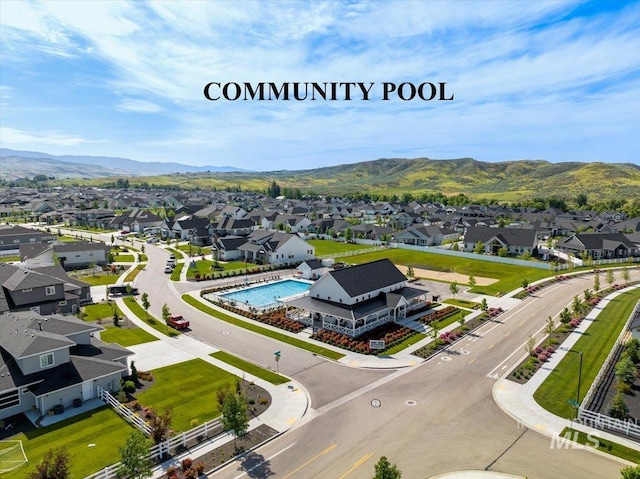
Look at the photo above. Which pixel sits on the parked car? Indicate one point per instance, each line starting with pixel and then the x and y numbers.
pixel 168 269
pixel 177 321
pixel 171 262
pixel 153 239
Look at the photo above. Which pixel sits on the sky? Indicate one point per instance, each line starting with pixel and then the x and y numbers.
pixel 557 81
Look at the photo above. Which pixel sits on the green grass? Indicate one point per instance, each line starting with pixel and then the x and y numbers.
pixel 250 368
pixel 404 344
pixel 623 452
pixel 509 276
pixel 156 324
pixel 189 388
pixel 328 353
pixel 132 275
pixel 454 318
pixel 595 344
pixel 204 267
pixel 124 258
pixel 463 303
pixel 126 336
pixel 6 259
pixel 178 254
pixel 175 274
pixel 324 247
pixel 96 311
pixel 194 249
pixel 99 280
pixel 102 427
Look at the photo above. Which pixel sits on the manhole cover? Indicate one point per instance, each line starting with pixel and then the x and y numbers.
pixel 445 358
pixel 464 351
pixel 410 402
pixel 376 403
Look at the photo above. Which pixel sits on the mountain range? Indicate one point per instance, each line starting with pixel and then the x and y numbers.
pixel 19 164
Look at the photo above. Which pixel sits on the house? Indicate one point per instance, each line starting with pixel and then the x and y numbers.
pixel 228 225
pixel 311 269
pixel 45 290
pixel 183 228
pixel 357 299
pixel 12 236
pixel 52 362
pixel 73 255
pixel 517 241
pixel 599 245
pixel 421 235
pixel 274 247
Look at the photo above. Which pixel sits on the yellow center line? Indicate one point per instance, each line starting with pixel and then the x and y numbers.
pixel 472 360
pixel 491 346
pixel 507 334
pixel 329 449
pixel 356 465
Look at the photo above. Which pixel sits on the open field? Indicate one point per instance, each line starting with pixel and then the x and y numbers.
pixel 327 247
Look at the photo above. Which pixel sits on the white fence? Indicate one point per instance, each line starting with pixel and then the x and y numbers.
pixel 125 412
pixel 157 452
pixel 601 420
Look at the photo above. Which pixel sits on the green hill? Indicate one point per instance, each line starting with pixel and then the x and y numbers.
pixel 505 181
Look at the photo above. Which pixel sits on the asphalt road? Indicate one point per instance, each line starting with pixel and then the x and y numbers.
pixel 437 417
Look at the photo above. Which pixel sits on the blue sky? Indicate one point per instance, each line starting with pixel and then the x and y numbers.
pixel 558 81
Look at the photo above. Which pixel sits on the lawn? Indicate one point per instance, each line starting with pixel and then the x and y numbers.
pixel 98 280
pixel 96 311
pixel 101 428
pixel 156 324
pixel 189 388
pixel 126 336
pixel 175 274
pixel 324 247
pixel 510 276
pixel 204 267
pixel 328 353
pixel 410 341
pixel 123 258
pixel 6 259
pixel 132 275
pixel 195 250
pixel 250 368
pixel 463 303
pixel 609 447
pixel 595 344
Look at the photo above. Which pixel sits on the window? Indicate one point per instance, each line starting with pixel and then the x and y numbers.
pixel 50 290
pixel 46 360
pixel 62 303
pixel 7 400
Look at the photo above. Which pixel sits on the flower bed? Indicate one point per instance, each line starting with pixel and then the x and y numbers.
pixel 276 317
pixel 391 333
pixel 439 315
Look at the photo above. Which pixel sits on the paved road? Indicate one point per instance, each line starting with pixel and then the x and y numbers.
pixel 437 417
pixel 434 418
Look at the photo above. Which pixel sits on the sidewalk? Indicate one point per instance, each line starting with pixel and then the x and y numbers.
pixel 517 401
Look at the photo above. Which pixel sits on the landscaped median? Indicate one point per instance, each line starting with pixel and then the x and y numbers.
pixel 595 344
pixel 250 368
pixel 159 326
pixel 328 353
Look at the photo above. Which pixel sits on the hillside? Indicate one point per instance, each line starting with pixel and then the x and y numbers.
pixel 19 164
pixel 505 181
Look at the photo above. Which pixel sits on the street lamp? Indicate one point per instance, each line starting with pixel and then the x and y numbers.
pixel 576 403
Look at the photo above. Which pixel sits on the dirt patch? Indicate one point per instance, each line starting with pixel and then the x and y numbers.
pixel 447 276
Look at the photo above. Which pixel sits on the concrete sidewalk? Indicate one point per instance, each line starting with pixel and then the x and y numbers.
pixel 517 400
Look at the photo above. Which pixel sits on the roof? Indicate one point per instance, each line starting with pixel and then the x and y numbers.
pixel 79 246
pixel 26 279
pixel 508 236
pixel 364 278
pixel 313 263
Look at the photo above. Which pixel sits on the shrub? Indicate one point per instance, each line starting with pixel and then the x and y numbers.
pixel 200 468
pixel 129 386
pixel 186 464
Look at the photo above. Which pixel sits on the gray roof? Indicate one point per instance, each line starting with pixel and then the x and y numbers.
pixel 25 279
pixel 58 272
pixel 79 246
pixel 364 278
pixel 508 236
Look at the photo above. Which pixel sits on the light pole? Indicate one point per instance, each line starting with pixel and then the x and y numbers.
pixel 576 402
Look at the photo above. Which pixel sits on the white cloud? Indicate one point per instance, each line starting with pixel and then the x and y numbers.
pixel 11 137
pixel 139 106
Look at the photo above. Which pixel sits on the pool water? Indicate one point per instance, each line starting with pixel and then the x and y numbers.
pixel 268 294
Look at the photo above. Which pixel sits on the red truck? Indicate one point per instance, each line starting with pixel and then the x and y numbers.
pixel 178 322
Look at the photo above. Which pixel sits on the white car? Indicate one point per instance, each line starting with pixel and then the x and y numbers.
pixel 168 269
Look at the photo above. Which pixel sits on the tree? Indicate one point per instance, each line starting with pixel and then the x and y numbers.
pixel 503 252
pixel 587 295
pixel 160 424
pixel 453 287
pixel 525 283
pixel 385 470
pixel 633 350
pixel 235 417
pixel 626 370
pixel 483 304
pixel 596 282
pixel 530 345
pixel 610 278
pixel 166 313
pixel 54 465
pixel 625 275
pixel 145 303
pixel 116 316
pixel 565 316
pixel 479 247
pixel 133 460
pixel 472 280
pixel 462 318
pixel 618 408
pixel 576 305
pixel 581 200
pixel 410 272
pixel 630 472
pixel 348 234
pixel 549 326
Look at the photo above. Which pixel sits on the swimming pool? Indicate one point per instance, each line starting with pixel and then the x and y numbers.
pixel 268 294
